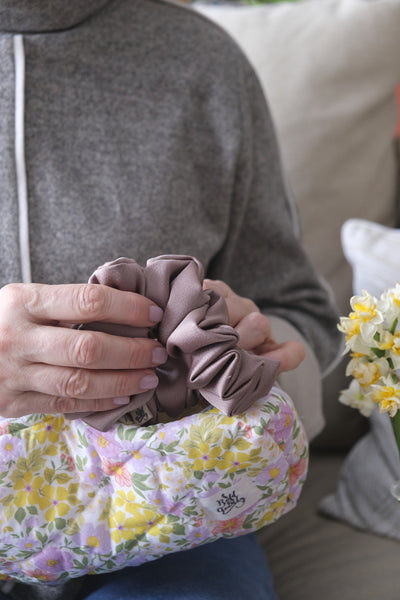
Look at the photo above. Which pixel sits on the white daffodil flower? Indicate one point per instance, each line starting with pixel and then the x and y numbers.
pixel 389 304
pixel 367 372
pixel 387 395
pixel 356 397
pixel 373 339
pixel 365 308
pixel 354 341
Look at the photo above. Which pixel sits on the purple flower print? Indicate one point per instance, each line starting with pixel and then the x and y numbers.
pixel 276 471
pixel 27 544
pixel 53 561
pixel 165 504
pixel 93 475
pixel 104 444
pixel 95 537
pixel 11 447
pixel 198 535
pixel 166 434
pixel 281 426
pixel 176 508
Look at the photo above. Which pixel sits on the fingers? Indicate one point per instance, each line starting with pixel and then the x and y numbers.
pixel 48 368
pixel 290 355
pixel 89 349
pixel 255 334
pixel 79 303
pixel 83 384
pixel 238 307
pixel 33 402
pixel 254 329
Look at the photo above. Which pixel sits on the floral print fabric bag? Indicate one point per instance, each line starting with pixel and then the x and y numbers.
pixel 74 500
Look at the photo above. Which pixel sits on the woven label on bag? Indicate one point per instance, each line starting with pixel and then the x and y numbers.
pixel 232 502
pixel 141 415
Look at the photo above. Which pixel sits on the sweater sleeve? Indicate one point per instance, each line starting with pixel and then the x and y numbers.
pixel 304 383
pixel 262 257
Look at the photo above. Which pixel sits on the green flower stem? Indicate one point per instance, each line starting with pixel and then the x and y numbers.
pixel 393 327
pixel 396 428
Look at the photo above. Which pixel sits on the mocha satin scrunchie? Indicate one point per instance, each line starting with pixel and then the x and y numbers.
pixel 203 356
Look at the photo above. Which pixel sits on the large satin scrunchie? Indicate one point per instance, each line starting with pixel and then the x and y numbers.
pixel 203 356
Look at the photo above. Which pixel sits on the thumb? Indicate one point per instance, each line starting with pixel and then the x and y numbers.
pixel 290 355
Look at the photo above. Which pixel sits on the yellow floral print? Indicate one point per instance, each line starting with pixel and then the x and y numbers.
pixel 205 458
pixel 122 528
pixel 54 500
pixel 48 429
pixel 28 489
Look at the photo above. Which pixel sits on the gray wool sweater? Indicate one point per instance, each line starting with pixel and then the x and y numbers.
pixel 145 132
pixel 137 128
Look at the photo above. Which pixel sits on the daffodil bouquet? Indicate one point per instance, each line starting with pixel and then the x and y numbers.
pixel 372 337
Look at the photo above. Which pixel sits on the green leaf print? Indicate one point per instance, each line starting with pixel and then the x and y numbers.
pixel 20 515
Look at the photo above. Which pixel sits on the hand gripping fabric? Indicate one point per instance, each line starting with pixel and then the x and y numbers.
pixel 76 500
pixel 203 356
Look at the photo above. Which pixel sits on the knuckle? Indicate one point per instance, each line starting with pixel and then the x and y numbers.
pixel 97 405
pixel 91 301
pixel 135 304
pixel 7 340
pixel 222 287
pixel 22 297
pixel 260 324
pixel 6 411
pixel 11 295
pixel 32 297
pixel 122 384
pixel 11 406
pixel 86 350
pixel 249 306
pixel 258 321
pixel 139 354
pixel 59 404
pixel 75 384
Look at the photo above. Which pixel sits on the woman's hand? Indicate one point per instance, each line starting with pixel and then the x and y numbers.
pixel 46 366
pixel 254 328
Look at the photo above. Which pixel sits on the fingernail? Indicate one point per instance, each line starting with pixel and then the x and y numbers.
pixel 149 382
pixel 159 355
pixel 122 400
pixel 156 313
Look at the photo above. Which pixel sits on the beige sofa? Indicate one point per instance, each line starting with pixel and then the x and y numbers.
pixel 329 69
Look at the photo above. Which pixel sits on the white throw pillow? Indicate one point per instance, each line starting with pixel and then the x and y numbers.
pixel 328 69
pixel 373 251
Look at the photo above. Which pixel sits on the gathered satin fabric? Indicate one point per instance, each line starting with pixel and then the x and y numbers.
pixel 203 356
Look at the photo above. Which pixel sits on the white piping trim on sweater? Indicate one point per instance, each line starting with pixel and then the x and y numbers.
pixel 22 188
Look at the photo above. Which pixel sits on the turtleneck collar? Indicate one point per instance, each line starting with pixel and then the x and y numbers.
pixel 35 16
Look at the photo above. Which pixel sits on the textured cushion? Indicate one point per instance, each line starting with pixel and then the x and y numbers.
pixel 363 497
pixel 315 558
pixel 74 500
pixel 329 69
